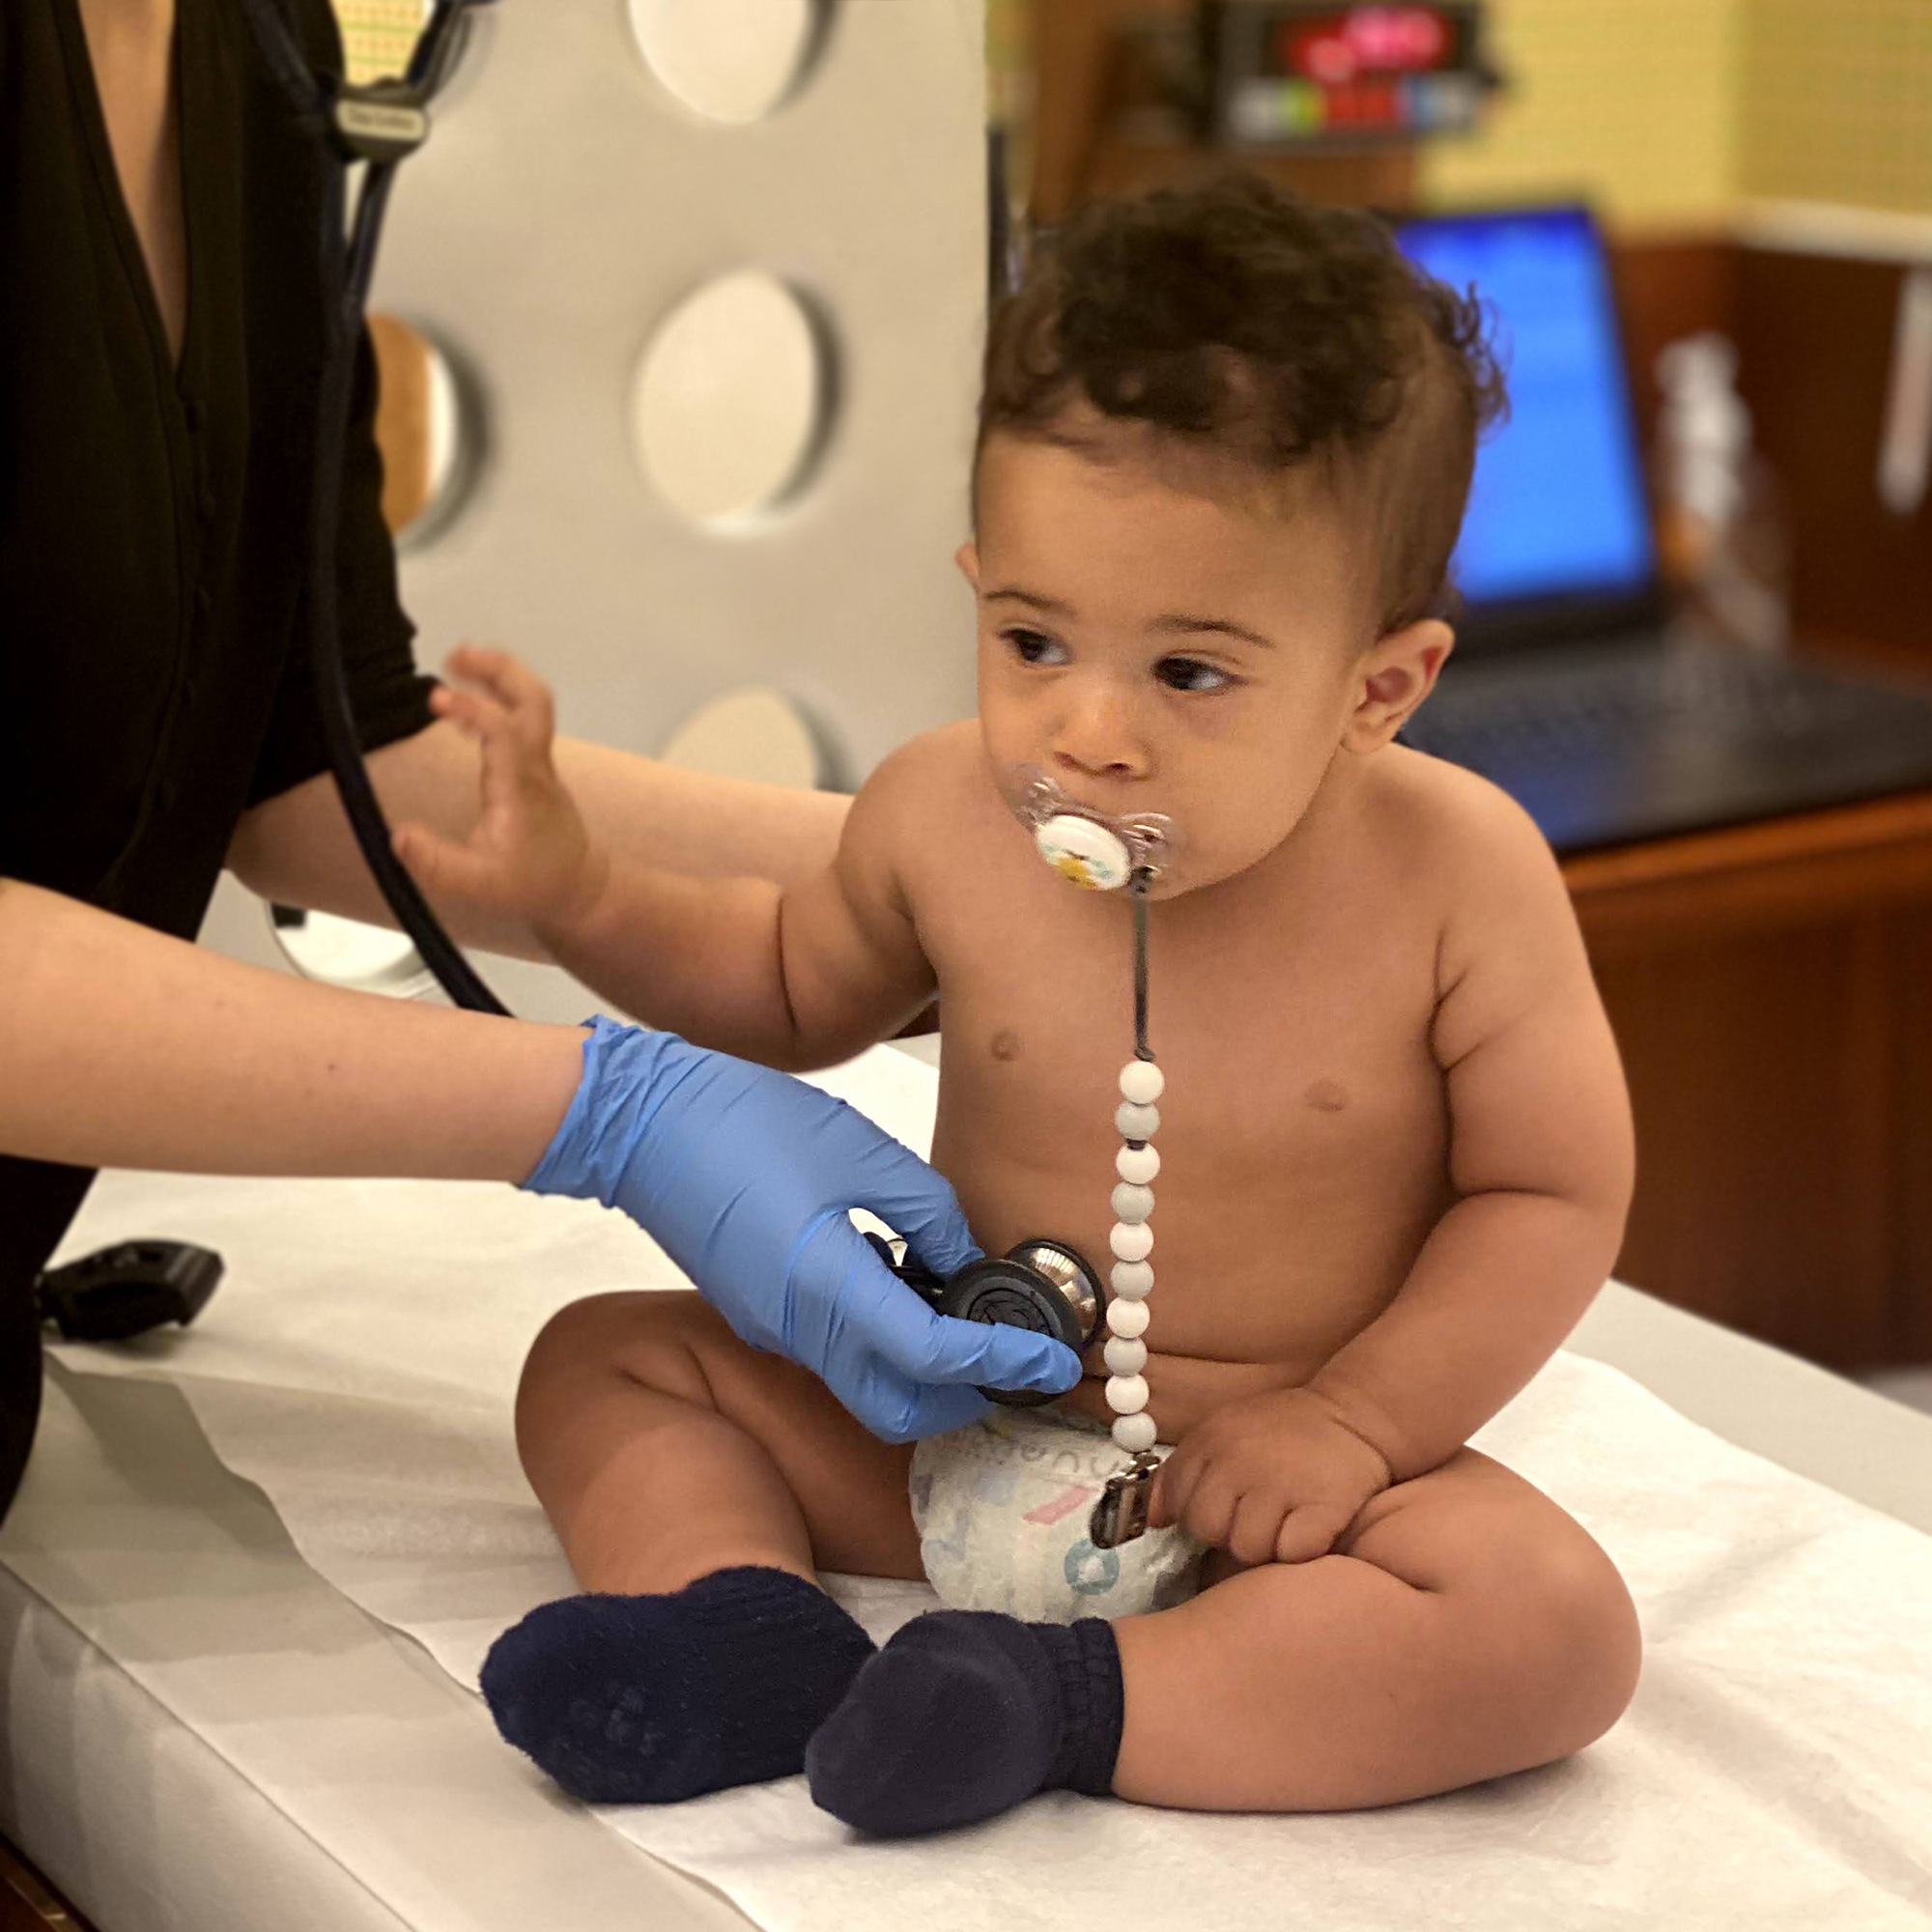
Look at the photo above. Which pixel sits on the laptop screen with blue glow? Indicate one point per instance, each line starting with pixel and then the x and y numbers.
pixel 1558 507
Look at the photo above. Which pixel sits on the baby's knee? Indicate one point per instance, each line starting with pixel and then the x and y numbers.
pixel 1573 1614
pixel 655 1337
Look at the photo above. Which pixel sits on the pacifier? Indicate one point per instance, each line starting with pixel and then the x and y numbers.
pixel 1089 847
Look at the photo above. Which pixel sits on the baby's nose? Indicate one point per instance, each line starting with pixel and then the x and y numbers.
pixel 1097 737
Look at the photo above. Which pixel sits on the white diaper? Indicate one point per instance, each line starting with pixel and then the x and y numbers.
pixel 1002 1510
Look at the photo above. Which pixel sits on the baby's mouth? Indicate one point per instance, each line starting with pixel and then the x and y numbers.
pixel 1089 846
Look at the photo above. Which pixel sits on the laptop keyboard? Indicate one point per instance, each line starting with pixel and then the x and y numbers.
pixel 1621 708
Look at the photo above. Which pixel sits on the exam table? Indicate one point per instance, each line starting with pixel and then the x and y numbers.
pixel 200 1731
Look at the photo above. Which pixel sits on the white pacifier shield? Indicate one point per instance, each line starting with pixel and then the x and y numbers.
pixel 1086 853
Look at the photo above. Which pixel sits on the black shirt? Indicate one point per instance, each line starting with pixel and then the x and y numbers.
pixel 154 678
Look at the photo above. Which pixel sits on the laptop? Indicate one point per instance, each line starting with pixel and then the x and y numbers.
pixel 1571 686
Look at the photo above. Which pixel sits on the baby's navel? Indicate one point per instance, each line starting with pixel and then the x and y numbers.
pixel 1006 1045
pixel 1327 1096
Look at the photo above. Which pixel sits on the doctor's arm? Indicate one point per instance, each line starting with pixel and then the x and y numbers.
pixel 1541 1158
pixel 298 848
pixel 121 1046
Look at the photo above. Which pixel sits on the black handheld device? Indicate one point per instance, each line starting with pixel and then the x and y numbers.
pixel 126 1290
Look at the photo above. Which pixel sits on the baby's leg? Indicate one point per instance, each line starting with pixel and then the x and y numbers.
pixel 1462 1627
pixel 664 1448
pixel 694 1483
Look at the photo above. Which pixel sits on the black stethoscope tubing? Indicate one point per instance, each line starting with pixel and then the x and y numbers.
pixel 344 117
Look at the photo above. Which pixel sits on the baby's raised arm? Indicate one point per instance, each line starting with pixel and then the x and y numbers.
pixel 1541 1154
pixel 795 977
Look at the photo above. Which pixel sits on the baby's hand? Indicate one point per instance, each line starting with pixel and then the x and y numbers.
pixel 528 853
pixel 1270 1478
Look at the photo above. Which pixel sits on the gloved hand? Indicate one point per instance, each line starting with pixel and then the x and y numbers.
pixel 744 1175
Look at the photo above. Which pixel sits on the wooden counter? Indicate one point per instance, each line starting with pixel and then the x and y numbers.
pixel 1770 988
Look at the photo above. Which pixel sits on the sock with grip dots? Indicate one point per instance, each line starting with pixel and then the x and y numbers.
pixel 649 1699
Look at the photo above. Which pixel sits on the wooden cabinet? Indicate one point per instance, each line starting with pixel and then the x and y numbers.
pixel 1771 989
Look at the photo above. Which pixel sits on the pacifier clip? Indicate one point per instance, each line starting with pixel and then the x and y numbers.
pixel 1105 857
pixel 1121 1513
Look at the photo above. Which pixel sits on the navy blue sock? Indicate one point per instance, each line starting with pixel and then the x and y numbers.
pixel 646 1701
pixel 965 1713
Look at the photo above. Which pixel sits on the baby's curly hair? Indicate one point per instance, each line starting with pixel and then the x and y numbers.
pixel 1234 314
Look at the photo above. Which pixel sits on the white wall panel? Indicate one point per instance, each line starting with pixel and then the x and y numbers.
pixel 564 205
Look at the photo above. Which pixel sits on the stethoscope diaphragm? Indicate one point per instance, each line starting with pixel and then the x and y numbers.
pixel 1041 1285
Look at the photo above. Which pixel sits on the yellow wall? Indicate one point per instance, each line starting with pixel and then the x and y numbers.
pixel 1631 103
pixel 1665 113
pixel 1837 103
pixel 1669 112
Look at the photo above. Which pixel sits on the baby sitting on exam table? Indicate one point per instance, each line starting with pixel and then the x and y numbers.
pixel 1226 441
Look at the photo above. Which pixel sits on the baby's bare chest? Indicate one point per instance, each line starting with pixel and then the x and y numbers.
pixel 1303 1133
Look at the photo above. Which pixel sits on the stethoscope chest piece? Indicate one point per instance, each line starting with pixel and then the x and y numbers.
pixel 1040 1285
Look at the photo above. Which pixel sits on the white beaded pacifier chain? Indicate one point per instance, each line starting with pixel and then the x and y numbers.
pixel 1121 1514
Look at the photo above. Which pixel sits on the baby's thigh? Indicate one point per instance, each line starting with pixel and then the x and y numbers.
pixel 600 1372
pixel 1531 1588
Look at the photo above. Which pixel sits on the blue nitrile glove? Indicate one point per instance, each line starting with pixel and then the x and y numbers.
pixel 744 1175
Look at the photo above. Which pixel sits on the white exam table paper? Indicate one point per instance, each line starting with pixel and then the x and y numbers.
pixel 358 1365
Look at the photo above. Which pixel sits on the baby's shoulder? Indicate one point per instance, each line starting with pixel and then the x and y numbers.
pixel 927 776
pixel 925 791
pixel 1450 812
pixel 1461 841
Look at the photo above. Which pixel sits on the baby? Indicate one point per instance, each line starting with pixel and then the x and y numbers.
pixel 1225 445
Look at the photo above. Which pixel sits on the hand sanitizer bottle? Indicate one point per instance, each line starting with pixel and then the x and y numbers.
pixel 1721 525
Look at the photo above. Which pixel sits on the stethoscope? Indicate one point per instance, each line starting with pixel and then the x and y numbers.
pixel 1042 1284
pixel 379 123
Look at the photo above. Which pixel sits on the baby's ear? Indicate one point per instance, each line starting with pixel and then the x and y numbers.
pixel 1396 673
pixel 967 558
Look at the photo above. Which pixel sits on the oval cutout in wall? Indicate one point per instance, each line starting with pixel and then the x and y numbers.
pixel 425 428
pixel 753 732
pixel 732 61
pixel 732 399
pixel 346 953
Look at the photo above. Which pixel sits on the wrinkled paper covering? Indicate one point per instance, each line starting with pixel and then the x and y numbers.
pixel 359 1362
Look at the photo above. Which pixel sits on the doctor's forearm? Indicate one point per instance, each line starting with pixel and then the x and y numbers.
pixel 699 958
pixel 122 1047
pixel 1501 1282
pixel 298 849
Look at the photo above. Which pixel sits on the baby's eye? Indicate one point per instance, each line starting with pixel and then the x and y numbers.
pixel 1192 674
pixel 1032 648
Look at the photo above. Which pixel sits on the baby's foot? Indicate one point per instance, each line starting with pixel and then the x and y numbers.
pixel 965 1713
pixel 645 1700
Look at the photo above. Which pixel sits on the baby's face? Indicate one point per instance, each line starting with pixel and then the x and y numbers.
pixel 1160 640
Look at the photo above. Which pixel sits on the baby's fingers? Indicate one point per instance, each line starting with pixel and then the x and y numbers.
pixel 1309 1532
pixel 506 758
pixel 523 696
pixel 438 865
pixel 471 713
pixel 1168 1497
pixel 1208 1510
